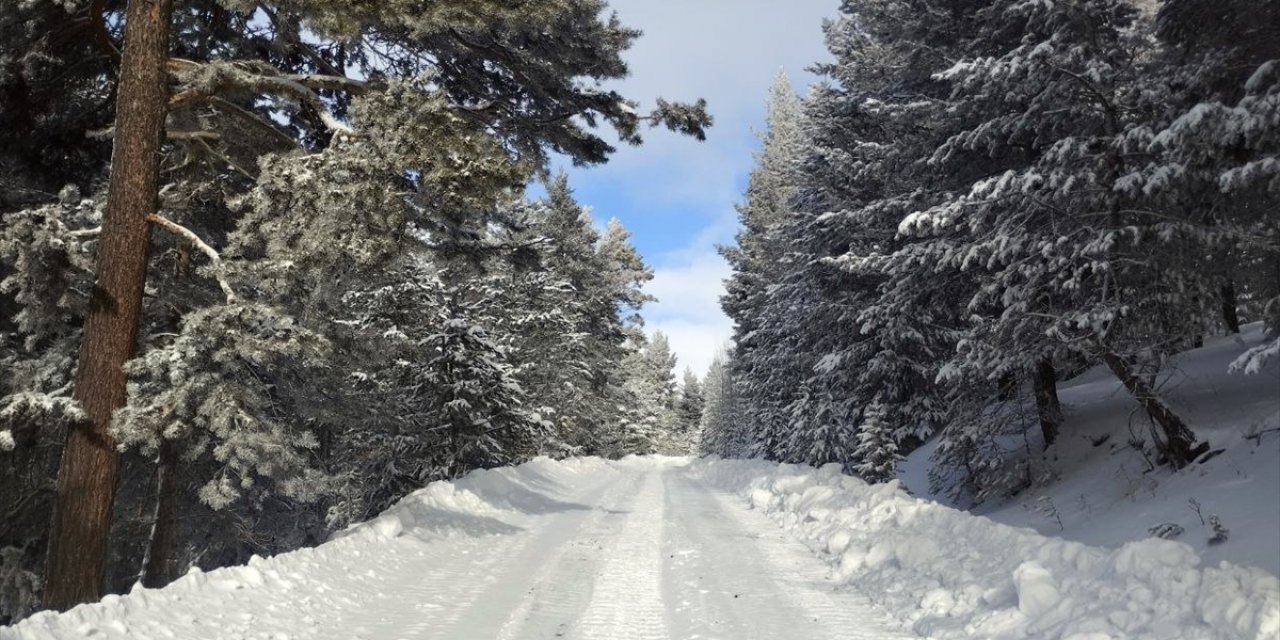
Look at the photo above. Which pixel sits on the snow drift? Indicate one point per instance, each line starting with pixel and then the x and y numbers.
pixel 297 595
pixel 950 574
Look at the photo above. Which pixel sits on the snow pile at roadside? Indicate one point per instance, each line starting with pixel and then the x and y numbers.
pixel 950 574
pixel 290 596
pixel 473 505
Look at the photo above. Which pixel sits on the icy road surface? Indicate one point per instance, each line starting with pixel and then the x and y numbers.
pixel 559 550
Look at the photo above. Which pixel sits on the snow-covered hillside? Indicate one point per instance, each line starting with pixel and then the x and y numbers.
pixel 1102 491
pixel 657 548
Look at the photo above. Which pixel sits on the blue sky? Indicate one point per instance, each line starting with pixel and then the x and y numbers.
pixel 676 195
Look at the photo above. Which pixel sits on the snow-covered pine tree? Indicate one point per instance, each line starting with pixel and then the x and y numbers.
pixel 593 290
pixel 689 405
pixel 1066 257
pixel 1213 146
pixel 877 452
pixel 763 296
pixel 478 418
pixel 692 400
pixel 90 467
pixel 879 315
pixel 651 381
pixel 214 402
pixel 723 432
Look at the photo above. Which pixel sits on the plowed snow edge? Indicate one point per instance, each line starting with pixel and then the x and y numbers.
pixel 951 574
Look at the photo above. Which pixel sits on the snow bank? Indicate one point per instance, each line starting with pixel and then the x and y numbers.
pixel 290 596
pixel 950 574
pixel 475 504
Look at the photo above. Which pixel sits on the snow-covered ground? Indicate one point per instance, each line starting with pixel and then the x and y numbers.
pixel 945 573
pixel 626 550
pixel 1103 492
pixel 671 548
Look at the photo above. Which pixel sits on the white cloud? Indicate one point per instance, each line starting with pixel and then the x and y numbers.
pixel 727 51
pixel 688 309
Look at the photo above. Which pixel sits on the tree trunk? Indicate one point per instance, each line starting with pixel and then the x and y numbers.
pixel 1230 316
pixel 1177 441
pixel 90 463
pixel 1045 379
pixel 157 570
pixel 1008 387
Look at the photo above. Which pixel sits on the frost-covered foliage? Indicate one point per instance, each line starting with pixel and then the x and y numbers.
pixel 723 426
pixel 877 451
pixel 479 410
pixel 491 358
pixel 25 408
pixel 767 303
pixel 983 198
pixel 47 249
pixel 689 405
pixel 651 381
pixel 213 389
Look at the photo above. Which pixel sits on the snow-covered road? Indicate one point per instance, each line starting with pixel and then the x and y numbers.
pixel 626 552
pixel 658 548
pixel 648 553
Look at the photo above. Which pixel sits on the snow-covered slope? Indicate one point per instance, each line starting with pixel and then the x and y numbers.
pixel 1104 492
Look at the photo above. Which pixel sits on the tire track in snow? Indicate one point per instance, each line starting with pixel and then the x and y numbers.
pixel 463 589
pixel 543 588
pixel 627 600
pixel 561 586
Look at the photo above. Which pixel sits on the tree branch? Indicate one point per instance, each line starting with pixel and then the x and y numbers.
pixel 303 87
pixel 97 15
pixel 208 148
pixel 86 233
pixel 219 271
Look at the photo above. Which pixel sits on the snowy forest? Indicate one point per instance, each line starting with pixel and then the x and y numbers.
pixel 271 271
pixel 984 198
pixel 310 267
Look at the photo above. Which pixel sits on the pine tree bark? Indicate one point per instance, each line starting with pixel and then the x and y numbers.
pixel 1178 441
pixel 1049 409
pixel 90 463
pixel 157 571
pixel 1230 317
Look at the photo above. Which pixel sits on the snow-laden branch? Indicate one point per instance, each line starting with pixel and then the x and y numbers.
pixel 86 233
pixel 219 271
pixel 287 85
pixel 214 78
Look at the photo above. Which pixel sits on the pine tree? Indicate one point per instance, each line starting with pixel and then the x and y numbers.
pixel 650 379
pixel 762 296
pixel 723 429
pixel 877 451
pixel 90 464
pixel 691 401
pixel 1098 280
pixel 478 419
pixel 575 366
pixel 1210 148
pixel 689 406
